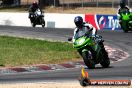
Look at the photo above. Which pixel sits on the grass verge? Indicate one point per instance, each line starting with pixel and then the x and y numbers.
pixel 19 51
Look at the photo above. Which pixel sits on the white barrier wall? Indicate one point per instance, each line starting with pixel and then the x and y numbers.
pixel 53 20
pixel 14 19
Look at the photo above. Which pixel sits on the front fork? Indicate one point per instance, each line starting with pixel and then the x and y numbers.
pixel 130 25
pixel 88 49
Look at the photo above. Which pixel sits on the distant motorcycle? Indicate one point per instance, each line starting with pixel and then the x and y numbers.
pixel 37 18
pixel 126 21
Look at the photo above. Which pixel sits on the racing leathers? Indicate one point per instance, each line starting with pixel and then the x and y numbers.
pixel 84 29
pixel 32 10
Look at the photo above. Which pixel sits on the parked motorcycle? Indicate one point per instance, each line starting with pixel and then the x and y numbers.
pixel 92 53
pixel 37 18
pixel 126 24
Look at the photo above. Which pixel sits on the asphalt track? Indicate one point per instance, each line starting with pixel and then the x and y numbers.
pixel 117 39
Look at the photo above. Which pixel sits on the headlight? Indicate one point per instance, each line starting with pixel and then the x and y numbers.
pixel 81 41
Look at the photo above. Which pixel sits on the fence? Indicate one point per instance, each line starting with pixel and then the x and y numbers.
pixel 67 3
pixel 92 3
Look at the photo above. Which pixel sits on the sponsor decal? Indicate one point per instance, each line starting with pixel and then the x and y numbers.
pixel 109 22
pixel 92 20
pixel 86 81
pixel 102 22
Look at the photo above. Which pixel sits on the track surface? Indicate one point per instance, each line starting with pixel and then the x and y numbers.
pixel 117 39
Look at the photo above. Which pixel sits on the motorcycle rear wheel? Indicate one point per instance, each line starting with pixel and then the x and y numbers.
pixel 88 59
pixel 106 61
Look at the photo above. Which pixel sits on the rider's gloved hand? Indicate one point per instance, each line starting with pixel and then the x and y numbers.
pixel 93 36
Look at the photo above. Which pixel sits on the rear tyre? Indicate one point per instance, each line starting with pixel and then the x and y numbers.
pixel 88 59
pixel 106 61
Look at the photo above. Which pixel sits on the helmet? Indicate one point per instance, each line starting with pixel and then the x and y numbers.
pixel 78 21
pixel 35 4
pixel 122 3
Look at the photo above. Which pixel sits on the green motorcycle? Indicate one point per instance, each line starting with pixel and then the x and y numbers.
pixel 92 53
pixel 126 23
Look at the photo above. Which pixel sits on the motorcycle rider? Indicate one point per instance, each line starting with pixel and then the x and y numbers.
pixel 84 27
pixel 33 8
pixel 123 7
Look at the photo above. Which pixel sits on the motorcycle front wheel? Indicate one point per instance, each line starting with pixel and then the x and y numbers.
pixel 43 23
pixel 88 59
pixel 33 24
pixel 125 28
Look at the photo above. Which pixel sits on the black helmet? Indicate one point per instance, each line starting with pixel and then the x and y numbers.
pixel 35 4
pixel 122 3
pixel 78 21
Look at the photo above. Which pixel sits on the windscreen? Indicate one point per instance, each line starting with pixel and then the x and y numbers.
pixel 81 33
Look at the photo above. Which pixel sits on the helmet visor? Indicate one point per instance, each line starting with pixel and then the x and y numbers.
pixel 78 24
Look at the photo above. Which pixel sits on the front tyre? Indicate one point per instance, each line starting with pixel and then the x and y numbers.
pixel 33 24
pixel 125 31
pixel 88 59
pixel 125 27
pixel 43 22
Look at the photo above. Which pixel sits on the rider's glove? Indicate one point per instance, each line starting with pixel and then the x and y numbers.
pixel 93 36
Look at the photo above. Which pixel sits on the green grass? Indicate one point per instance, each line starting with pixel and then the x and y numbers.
pixel 20 51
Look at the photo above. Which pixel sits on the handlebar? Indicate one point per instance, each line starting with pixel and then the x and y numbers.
pixel 70 39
